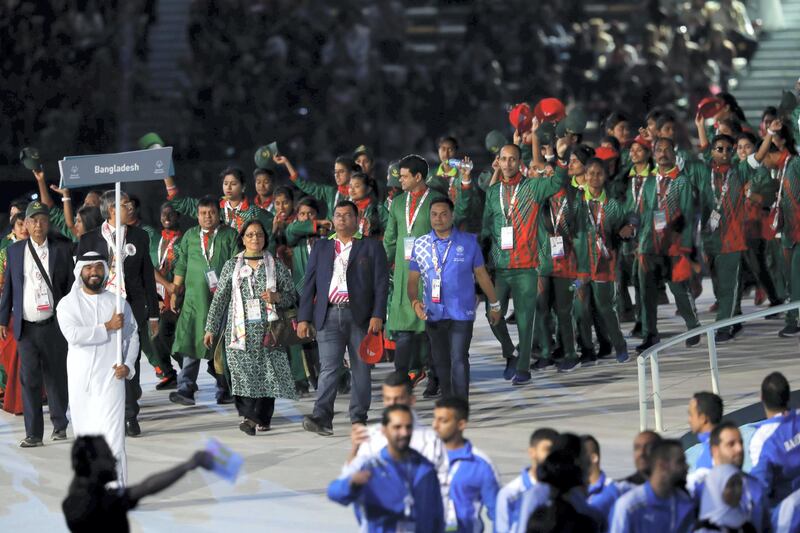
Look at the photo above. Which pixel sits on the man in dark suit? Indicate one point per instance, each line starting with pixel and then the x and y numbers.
pixel 138 285
pixel 344 294
pixel 39 274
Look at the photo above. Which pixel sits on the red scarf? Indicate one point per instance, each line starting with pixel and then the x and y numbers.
pixel 782 160
pixel 362 204
pixel 344 190
pixel 415 197
pixel 263 204
pixel 169 234
pixel 722 169
pixel 514 180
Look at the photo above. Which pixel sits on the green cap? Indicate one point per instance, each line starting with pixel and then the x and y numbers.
pixel 150 140
pixel 546 133
pixel 265 154
pixel 495 140
pixel 363 149
pixel 36 208
pixel 30 158
pixel 484 178
pixel 575 122
pixel 393 175
pixel 788 103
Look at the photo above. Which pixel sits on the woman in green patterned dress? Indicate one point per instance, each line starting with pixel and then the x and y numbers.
pixel 252 286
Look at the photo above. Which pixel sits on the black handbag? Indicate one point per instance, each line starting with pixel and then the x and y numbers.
pixel 283 332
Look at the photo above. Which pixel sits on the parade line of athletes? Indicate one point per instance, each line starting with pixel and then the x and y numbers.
pixel 562 228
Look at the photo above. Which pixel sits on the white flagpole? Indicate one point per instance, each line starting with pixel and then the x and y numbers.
pixel 118 260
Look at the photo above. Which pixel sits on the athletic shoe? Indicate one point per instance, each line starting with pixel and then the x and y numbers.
pixel 30 442
pixel 59 434
pixel 521 378
pixel 623 357
pixel 541 364
pixel 760 297
pixel 177 397
pixel 416 377
pixel 604 351
pixel 168 382
pixel 736 329
pixel 693 341
pixel 722 336
pixel 650 341
pixel 636 331
pixel 569 365
pixel 432 388
pixel 314 425
pixel 789 331
pixel 511 368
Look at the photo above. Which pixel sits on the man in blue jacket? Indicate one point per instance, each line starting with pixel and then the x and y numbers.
pixel 472 481
pixel 398 490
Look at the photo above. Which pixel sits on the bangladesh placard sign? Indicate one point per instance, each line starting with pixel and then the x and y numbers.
pixel 140 165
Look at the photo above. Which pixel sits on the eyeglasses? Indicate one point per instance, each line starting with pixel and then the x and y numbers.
pixel 723 149
pixel 258 235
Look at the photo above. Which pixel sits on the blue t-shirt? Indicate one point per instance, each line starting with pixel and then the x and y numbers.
pixel 456 257
pixel 641 511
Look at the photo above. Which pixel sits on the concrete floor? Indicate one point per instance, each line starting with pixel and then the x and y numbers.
pixel 285 474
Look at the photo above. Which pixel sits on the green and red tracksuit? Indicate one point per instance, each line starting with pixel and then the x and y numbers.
pixel 666 214
pixel 515 204
pixel 164 249
pixel 722 208
pixel 787 212
pixel 557 238
pixel 329 195
pixel 599 221
pixel 465 198
pixel 372 217
pixel 231 216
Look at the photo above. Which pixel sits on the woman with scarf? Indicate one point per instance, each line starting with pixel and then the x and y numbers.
pixel 722 507
pixel 253 286
pixel 372 216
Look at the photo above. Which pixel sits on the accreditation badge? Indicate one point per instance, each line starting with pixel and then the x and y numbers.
pixel 436 290
pixel 659 220
pixel 43 300
pixel 408 247
pixel 713 221
pixel 557 247
pixel 254 310
pixel 507 238
pixel 211 280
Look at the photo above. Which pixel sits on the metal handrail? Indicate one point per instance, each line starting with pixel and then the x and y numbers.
pixel 652 354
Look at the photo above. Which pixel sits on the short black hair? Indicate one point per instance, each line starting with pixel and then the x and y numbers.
pixel 654 115
pixel 263 172
pixel 236 172
pixel 664 140
pixel 348 162
pixel 392 409
pixel 713 439
pixel 590 444
pixel 614 118
pixel 665 118
pixel 661 451
pixel 208 201
pixel 613 141
pixel 770 110
pixel 309 201
pixel 398 379
pixel 368 181
pixel 445 139
pixel 723 137
pixel 519 150
pixel 135 203
pixel 749 135
pixel 775 392
pixel 21 216
pixel 710 405
pixel 542 434
pixel 442 200
pixel 457 404
pixel 732 122
pixel 596 161
pixel 346 203
pixel 283 190
pixel 90 217
pixel 415 165
pixel 247 224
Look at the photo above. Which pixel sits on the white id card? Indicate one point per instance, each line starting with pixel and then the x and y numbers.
pixel 254 310
pixel 408 247
pixel 713 220
pixel 507 237
pixel 557 247
pixel 211 280
pixel 436 290
pixel 161 291
pixel 659 220
pixel 42 300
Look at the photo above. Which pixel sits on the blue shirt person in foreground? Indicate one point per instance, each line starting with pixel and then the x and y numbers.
pixel 472 481
pixel 705 412
pixel 396 491
pixel 660 505
pixel 602 492
pixel 510 496
pixel 449 262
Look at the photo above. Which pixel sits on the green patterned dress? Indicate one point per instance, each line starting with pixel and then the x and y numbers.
pixel 256 372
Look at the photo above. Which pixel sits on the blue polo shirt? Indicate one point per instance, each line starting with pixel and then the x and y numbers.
pixel 640 511
pixel 457 257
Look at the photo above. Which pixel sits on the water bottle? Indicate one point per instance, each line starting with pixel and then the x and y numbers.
pixel 458 163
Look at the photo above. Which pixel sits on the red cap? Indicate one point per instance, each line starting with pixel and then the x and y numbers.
pixel 643 142
pixel 605 153
pixel 521 117
pixel 710 106
pixel 550 110
pixel 371 349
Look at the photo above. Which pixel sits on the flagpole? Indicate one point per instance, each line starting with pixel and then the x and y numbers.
pixel 119 262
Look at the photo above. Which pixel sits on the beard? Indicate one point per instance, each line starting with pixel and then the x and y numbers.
pixel 93 283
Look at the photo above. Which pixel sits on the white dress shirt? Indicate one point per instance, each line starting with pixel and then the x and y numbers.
pixel 340 261
pixel 34 283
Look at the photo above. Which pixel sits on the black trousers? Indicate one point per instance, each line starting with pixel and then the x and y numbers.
pixel 258 410
pixel 43 361
pixel 133 390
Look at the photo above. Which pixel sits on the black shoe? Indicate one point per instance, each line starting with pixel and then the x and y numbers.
pixel 177 397
pixel 224 399
pixel 722 336
pixel 512 318
pixel 637 330
pixel 248 426
pixel 569 365
pixel 541 364
pixel 651 340
pixel 736 329
pixel 314 425
pixel 511 368
pixel 622 356
pixel 604 351
pixel 774 316
pixel 693 341
pixel 59 434
pixel 789 331
pixel 168 382
pixel 30 442
pixel 521 378
pixel 588 358
pixel 432 389
pixel 132 428
pixel 416 377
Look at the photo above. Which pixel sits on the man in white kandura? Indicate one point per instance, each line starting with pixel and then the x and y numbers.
pixel 88 319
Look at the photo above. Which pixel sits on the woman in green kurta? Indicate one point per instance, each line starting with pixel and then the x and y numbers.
pixel 251 287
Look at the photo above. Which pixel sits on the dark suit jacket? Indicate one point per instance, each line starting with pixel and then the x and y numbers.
pixel 140 281
pixel 367 282
pixel 60 267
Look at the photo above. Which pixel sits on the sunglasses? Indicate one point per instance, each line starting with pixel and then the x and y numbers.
pixel 723 149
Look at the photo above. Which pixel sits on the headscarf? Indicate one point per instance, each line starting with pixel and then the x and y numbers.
pixel 712 507
pixel 89 258
pixel 242 271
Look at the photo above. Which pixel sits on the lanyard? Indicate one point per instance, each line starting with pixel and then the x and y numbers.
pixel 339 249
pixel 231 213
pixel 435 256
pixel 723 189
pixel 208 256
pixel 162 259
pixel 558 217
pixel 637 198
pixel 511 203
pixel 411 219
pixel 662 198
pixel 598 223
pixel 780 175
